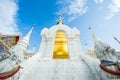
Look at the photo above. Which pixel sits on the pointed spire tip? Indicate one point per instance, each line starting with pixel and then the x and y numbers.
pixel 60 19
pixel 94 37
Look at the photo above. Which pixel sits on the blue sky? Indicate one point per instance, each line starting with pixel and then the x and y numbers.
pixel 102 16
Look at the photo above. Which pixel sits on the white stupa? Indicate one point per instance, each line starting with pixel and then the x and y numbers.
pixel 60 57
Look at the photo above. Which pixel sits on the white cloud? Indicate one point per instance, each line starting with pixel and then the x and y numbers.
pixel 98 1
pixel 114 9
pixel 8 11
pixel 73 8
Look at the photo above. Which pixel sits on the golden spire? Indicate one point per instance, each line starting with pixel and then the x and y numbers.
pixel 60 46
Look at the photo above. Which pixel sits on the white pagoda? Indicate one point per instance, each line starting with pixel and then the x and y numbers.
pixel 60 57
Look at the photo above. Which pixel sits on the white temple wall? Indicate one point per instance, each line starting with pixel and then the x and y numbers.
pixel 43 47
pixel 49 49
pixel 79 46
pixel 71 47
